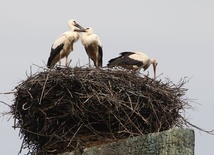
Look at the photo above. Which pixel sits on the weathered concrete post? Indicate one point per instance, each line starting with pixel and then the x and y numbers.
pixel 171 142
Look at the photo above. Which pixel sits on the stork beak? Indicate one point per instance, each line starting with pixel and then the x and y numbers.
pixel 81 29
pixel 154 67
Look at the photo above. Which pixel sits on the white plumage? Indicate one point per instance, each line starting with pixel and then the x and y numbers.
pixel 64 44
pixel 134 61
pixel 93 47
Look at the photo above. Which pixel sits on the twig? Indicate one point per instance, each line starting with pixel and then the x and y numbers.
pixel 40 100
pixel 6 93
pixel 74 135
pixel 5 104
pixel 211 132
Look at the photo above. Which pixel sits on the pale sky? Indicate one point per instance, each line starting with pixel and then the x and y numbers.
pixel 179 34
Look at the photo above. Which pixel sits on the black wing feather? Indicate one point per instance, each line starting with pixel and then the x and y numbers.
pixel 54 53
pixel 112 60
pixel 124 60
pixel 100 63
pixel 126 53
pixel 122 54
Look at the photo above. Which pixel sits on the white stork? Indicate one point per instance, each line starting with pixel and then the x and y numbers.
pixel 134 61
pixel 64 44
pixel 93 47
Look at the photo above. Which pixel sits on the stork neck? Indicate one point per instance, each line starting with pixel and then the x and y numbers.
pixel 72 28
pixel 74 37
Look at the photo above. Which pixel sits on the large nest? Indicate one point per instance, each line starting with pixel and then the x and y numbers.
pixel 56 110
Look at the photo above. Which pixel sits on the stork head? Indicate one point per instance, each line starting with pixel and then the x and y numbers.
pixel 75 26
pixel 89 30
pixel 154 63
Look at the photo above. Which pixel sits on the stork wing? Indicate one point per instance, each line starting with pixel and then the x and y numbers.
pixel 54 53
pixel 114 62
pixel 124 61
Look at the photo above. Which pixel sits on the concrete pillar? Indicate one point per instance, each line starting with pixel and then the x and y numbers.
pixel 171 142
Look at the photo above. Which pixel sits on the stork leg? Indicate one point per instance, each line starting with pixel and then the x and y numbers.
pixel 66 61
pixel 97 63
pixel 134 70
pixel 59 59
pixel 89 62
